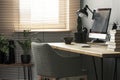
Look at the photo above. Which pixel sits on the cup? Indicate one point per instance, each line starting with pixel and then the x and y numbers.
pixel 68 40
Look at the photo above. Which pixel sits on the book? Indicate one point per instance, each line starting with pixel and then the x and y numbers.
pixel 114 31
pixel 114 40
pixel 113 49
pixel 113 43
pixel 113 46
pixel 115 37
pixel 115 34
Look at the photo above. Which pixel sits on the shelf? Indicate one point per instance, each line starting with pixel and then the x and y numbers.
pixel 16 64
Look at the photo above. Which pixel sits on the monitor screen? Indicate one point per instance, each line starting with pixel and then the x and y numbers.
pixel 100 24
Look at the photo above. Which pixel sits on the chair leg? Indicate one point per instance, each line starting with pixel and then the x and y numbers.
pixel 42 78
pixel 46 78
pixel 39 77
pixel 53 79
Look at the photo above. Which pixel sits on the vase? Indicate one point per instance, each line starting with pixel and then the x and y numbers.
pixel 6 59
pixel 25 59
pixel 1 57
pixel 11 52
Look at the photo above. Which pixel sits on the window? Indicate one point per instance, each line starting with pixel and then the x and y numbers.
pixel 46 15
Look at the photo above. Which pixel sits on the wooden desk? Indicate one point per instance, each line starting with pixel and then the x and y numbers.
pixel 93 50
pixel 28 66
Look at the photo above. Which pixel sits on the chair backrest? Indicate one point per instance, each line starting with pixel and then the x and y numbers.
pixel 44 57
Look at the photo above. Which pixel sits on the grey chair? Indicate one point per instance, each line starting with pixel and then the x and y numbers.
pixel 49 64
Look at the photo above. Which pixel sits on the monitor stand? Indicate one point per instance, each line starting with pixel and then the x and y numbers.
pixel 97 41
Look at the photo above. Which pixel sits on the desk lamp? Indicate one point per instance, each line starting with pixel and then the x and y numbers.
pixel 81 35
pixel 83 12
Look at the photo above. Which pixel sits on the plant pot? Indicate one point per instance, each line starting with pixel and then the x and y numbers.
pixel 25 59
pixel 6 59
pixel 1 57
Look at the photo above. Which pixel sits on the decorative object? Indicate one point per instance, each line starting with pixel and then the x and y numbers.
pixel 114 27
pixel 26 47
pixel 68 40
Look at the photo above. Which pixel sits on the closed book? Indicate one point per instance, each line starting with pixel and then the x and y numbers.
pixel 114 31
pixel 114 43
pixel 113 46
pixel 112 49
pixel 114 40
pixel 114 35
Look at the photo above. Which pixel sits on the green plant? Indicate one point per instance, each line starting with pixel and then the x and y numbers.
pixel 25 45
pixel 4 44
pixel 26 42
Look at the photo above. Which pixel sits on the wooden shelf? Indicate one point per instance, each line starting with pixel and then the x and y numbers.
pixel 16 64
pixel 28 66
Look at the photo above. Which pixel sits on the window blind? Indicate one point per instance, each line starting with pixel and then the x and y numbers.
pixel 8 18
pixel 46 15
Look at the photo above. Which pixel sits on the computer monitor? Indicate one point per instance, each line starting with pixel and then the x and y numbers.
pixel 98 32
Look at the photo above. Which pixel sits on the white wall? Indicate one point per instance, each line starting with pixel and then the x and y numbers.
pixel 94 4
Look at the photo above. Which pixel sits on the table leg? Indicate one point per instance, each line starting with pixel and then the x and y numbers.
pixel 29 73
pixel 101 68
pixel 96 75
pixel 96 68
pixel 115 70
pixel 24 72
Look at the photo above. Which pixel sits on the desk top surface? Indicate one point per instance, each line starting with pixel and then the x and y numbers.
pixel 93 50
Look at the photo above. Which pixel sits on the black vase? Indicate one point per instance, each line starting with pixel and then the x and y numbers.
pixel 25 59
pixel 11 52
pixel 1 57
pixel 6 59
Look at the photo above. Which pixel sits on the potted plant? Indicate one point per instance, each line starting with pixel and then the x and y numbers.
pixel 4 49
pixel 26 47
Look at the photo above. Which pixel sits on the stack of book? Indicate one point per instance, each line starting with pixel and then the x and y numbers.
pixel 114 44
